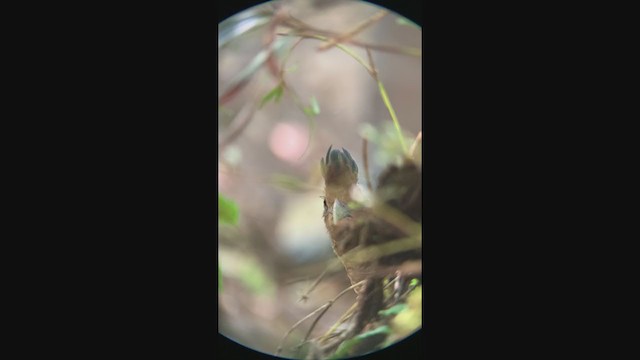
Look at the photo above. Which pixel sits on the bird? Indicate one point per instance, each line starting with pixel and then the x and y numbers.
pixel 356 229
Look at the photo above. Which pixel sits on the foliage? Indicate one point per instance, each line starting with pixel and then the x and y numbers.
pixel 227 214
pixel 227 211
pixel 275 94
pixel 357 344
pixel 409 319
pixel 313 109
pixel 389 148
pixel 394 310
pixel 255 278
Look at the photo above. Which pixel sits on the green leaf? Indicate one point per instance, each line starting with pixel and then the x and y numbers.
pixel 253 275
pixel 362 343
pixel 394 310
pixel 308 111
pixel 313 109
pixel 392 112
pixel 274 94
pixel 227 210
pixel 410 320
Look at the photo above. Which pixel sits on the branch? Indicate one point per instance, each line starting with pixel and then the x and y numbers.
pixel 327 305
pixel 387 102
pixel 366 163
pixel 414 146
pixel 302 29
pixel 359 28
pixel 373 252
pixel 305 296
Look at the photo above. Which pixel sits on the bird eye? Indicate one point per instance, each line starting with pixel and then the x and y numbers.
pixel 324 202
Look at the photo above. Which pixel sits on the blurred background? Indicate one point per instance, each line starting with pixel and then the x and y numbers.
pixel 282 102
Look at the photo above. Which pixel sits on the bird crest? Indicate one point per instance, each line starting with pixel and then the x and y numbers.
pixel 339 168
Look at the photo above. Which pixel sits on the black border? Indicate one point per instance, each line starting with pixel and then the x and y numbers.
pixel 118 181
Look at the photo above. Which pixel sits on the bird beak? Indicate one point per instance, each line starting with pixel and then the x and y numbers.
pixel 340 211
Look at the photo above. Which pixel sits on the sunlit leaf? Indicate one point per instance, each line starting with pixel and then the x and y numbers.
pixel 394 310
pixel 392 112
pixel 384 142
pixel 254 277
pixel 409 320
pixel 312 131
pixel 246 269
pixel 308 111
pixel 227 211
pixel 274 95
pixel 362 342
pixel 313 109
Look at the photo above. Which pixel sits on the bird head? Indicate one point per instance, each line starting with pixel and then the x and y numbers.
pixel 340 173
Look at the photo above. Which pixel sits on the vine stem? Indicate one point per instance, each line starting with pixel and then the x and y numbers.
pixel 371 69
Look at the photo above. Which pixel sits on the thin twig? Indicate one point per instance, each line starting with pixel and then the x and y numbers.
pixel 389 48
pixel 298 25
pixel 365 158
pixel 387 102
pixel 374 71
pixel 348 313
pixel 408 291
pixel 279 349
pixel 305 296
pixel 397 218
pixel 286 59
pixel 395 279
pixel 359 28
pixel 340 46
pixel 414 146
pixel 402 50
pixel 342 319
pixel 373 252
pixel 328 304
pixel 244 117
pixel 242 77
pixel 313 325
pixel 296 99
pixel 296 280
